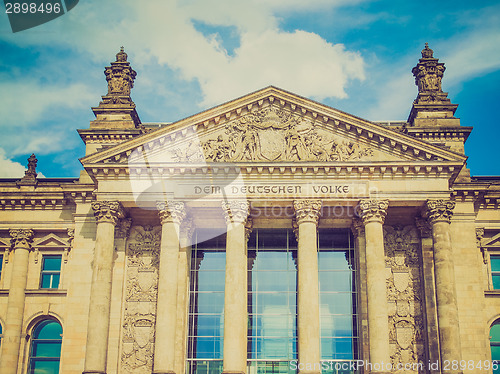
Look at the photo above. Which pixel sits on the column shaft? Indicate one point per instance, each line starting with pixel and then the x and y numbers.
pixel 107 215
pixel 307 215
pixel 11 342
pixel 166 305
pixel 439 214
pixel 373 213
pixel 235 295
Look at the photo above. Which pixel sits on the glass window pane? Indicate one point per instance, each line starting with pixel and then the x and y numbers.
pixel 336 303
pixel 48 330
pixel 336 326
pixel 52 263
pixel 46 349
pixel 495 333
pixel 496 282
pixel 44 367
pixel 335 281
pixel 495 356
pixel 211 281
pixel 46 281
pixel 495 262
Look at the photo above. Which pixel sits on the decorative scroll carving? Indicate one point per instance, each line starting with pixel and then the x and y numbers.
pixel 373 210
pixel 122 229
pixel 140 300
pixel 307 210
pixel 424 228
pixel 357 228
pixel 171 212
pixel 439 210
pixel 404 291
pixel 271 135
pixel 21 238
pixel 236 211
pixel 108 211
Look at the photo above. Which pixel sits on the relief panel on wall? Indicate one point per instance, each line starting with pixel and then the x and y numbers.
pixel 405 297
pixel 140 300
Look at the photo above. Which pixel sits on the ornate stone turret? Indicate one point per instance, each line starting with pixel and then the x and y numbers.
pixel 432 105
pixel 117 110
pixel 116 117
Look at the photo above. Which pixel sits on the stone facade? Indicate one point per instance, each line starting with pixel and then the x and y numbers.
pixel 425 231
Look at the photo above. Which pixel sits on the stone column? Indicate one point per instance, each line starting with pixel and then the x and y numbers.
pixel 235 295
pixel 11 342
pixel 307 214
pixel 171 216
pixel 186 233
pixel 107 214
pixel 373 214
pixel 438 213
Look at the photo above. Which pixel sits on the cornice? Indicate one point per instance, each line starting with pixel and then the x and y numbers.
pixel 354 170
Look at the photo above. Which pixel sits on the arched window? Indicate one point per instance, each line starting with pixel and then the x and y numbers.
pixel 495 344
pixel 45 352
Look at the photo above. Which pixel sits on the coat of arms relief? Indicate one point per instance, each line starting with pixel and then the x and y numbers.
pixel 140 300
pixel 273 135
pixel 270 135
pixel 404 292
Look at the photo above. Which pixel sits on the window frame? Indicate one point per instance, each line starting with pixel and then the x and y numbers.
pixel 32 340
pixel 51 273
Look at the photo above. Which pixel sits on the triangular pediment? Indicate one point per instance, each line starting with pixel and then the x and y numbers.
pixel 274 127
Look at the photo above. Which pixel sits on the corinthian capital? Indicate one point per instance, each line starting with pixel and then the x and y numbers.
pixel 171 212
pixel 236 211
pixel 21 238
pixel 307 210
pixel 439 210
pixel 372 210
pixel 108 211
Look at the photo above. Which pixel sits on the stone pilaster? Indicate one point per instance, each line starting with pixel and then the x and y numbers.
pixel 373 213
pixel 235 298
pixel 186 233
pixel 307 214
pixel 107 215
pixel 171 216
pixel 358 230
pixel 429 280
pixel 439 213
pixel 21 245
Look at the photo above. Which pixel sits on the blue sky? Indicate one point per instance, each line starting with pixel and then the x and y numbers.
pixel 190 55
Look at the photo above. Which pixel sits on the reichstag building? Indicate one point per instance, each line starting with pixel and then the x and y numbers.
pixel 269 234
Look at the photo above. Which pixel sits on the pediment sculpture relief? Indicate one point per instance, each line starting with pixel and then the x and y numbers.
pixel 277 136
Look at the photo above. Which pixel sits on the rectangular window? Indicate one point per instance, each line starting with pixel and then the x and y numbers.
pixel 495 271
pixel 206 304
pixel 51 271
pixel 272 300
pixel 337 295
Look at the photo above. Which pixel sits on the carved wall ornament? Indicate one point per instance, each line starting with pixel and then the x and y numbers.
pixel 428 72
pixel 439 210
pixel 186 232
pixel 274 135
pixel 307 210
pixel 405 294
pixel 373 210
pixel 140 300
pixel 169 212
pixel 122 229
pixel 108 211
pixel 21 238
pixel 423 227
pixel 235 211
pixel 357 228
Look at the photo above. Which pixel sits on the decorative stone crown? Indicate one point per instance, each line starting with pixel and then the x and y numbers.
pixel 120 76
